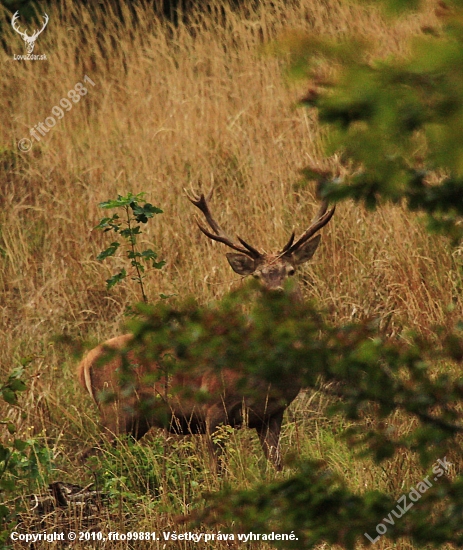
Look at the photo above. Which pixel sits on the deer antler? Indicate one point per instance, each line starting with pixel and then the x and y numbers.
pixel 24 34
pixel 320 220
pixel 36 33
pixel 15 27
pixel 218 234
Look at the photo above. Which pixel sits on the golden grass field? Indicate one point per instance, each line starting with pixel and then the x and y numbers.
pixel 172 107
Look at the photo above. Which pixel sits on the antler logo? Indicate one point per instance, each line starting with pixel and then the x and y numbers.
pixel 29 40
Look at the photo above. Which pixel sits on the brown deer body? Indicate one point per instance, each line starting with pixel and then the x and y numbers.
pixel 261 406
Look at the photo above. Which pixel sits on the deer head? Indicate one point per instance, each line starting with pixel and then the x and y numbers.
pixel 29 40
pixel 271 269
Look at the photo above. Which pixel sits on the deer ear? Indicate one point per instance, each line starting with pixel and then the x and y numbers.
pixel 241 264
pixel 306 251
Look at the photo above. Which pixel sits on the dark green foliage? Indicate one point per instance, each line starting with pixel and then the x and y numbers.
pixel 14 385
pixel 127 473
pixel 316 505
pixel 396 122
pixel 22 462
pixel 278 340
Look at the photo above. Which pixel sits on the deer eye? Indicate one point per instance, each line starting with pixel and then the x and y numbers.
pixel 256 275
pixel 291 272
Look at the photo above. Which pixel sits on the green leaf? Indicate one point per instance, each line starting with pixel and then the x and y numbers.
pixel 118 203
pixel 140 266
pixel 4 453
pixel 143 213
pixel 110 204
pixel 158 265
pixel 129 232
pixel 115 279
pixel 17 385
pixel 9 396
pixel 19 371
pixel 107 224
pixel 20 445
pixel 110 251
pixel 122 201
pixel 4 512
pixel 149 254
pixel 7 484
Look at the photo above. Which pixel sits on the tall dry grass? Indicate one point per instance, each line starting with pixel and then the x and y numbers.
pixel 171 107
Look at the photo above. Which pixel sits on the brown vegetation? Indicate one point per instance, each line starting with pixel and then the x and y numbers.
pixel 171 107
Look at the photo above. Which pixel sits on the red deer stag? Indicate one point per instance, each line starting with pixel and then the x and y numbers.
pixel 263 408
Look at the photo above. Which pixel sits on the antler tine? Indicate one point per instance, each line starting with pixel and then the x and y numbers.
pixel 15 26
pixel 218 234
pixel 221 239
pixel 288 244
pixel 252 251
pixel 45 18
pixel 200 201
pixel 320 220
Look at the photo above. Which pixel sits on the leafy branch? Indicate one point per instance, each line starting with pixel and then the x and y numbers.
pixel 395 123
pixel 278 340
pixel 129 228
pixel 19 459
